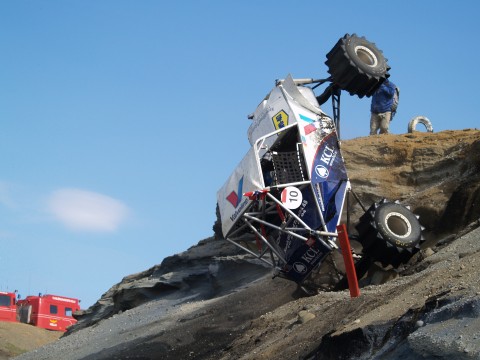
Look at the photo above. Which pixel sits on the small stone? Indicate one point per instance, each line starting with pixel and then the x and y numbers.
pixel 428 252
pixel 304 316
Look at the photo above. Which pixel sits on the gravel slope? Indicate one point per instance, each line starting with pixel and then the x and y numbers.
pixel 266 319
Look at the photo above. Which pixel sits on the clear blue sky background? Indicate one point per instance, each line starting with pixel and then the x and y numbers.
pixel 119 120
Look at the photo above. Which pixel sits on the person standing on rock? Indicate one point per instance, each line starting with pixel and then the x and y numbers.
pixel 381 108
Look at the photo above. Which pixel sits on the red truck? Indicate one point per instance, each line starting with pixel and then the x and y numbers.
pixel 50 312
pixel 8 307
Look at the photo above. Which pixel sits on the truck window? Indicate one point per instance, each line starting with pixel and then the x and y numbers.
pixel 53 309
pixel 5 300
pixel 68 312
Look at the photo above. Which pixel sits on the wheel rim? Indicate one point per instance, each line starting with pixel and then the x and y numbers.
pixel 366 56
pixel 398 225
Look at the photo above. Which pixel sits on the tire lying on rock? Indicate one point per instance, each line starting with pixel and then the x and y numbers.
pixel 419 120
pixel 357 65
pixel 389 233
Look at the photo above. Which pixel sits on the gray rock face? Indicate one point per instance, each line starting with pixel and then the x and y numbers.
pixel 451 330
pixel 455 338
pixel 210 269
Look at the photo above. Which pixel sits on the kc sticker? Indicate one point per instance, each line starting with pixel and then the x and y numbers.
pixel 321 171
pixel 299 268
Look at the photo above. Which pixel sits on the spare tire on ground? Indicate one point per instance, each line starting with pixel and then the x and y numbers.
pixel 357 65
pixel 419 120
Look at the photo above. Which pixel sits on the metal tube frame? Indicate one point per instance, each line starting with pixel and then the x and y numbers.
pixel 267 208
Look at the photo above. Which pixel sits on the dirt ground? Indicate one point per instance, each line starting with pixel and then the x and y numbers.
pixel 17 338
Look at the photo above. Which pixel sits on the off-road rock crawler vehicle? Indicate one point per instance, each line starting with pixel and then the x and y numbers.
pixel 284 201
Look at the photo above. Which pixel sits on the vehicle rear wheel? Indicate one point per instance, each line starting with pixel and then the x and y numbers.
pixel 398 225
pixel 357 65
pixel 390 233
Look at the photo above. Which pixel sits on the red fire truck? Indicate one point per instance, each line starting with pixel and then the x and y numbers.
pixel 50 312
pixel 8 307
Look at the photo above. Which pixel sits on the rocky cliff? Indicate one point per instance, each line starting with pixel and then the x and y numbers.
pixel 437 174
pixel 214 302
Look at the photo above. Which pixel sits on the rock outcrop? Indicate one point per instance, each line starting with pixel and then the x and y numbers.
pixel 437 174
pixel 205 271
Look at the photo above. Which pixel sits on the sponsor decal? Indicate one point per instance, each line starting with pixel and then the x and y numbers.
pixel 239 210
pixel 329 179
pixel 321 171
pixel 309 259
pixel 324 159
pixel 280 120
pixel 258 119
pixel 234 198
pixel 311 254
pixel 318 194
pixel 299 268
pixel 306 118
pixel 310 127
pixel 328 155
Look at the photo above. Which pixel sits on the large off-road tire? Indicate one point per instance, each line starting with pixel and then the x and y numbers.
pixel 357 65
pixel 398 225
pixel 389 233
pixel 419 120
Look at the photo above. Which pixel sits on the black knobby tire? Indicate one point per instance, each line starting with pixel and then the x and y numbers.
pixel 357 65
pixel 398 225
pixel 419 120
pixel 389 233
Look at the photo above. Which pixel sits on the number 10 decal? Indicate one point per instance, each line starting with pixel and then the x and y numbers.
pixel 292 197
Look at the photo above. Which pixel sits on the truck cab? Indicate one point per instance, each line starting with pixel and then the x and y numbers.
pixel 50 312
pixel 8 308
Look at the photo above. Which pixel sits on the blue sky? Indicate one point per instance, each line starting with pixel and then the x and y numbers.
pixel 119 120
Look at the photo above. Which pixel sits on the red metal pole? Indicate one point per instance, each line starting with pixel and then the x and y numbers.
pixel 348 260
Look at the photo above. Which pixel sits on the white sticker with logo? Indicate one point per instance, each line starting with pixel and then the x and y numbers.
pixel 292 197
pixel 321 171
pixel 299 268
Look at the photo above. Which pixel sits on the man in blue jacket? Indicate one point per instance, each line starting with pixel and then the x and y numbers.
pixel 381 108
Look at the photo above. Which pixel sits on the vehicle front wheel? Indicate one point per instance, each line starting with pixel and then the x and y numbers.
pixel 357 65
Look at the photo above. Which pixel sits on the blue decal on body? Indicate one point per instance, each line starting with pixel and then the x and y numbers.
pixel 329 179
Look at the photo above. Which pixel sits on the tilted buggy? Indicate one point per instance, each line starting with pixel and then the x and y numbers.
pixel 284 201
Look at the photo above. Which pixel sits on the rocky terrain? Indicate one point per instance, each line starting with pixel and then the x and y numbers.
pixel 214 302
